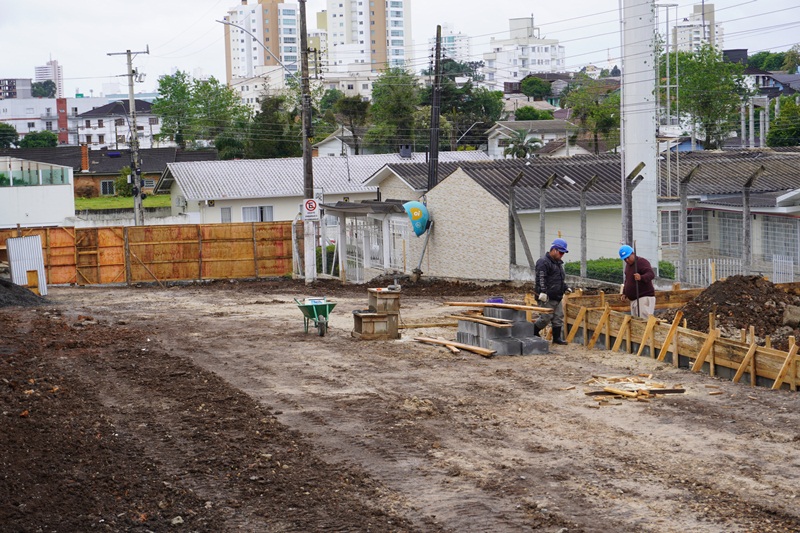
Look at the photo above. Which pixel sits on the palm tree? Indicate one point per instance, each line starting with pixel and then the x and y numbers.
pixel 520 147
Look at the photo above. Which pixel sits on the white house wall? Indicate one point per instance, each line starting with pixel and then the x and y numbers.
pixel 393 188
pixel 42 205
pixel 469 239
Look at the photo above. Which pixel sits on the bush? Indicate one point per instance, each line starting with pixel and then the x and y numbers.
pixel 611 270
pixel 86 191
pixel 330 257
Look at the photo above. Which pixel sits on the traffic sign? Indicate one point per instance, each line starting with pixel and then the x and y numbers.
pixel 310 209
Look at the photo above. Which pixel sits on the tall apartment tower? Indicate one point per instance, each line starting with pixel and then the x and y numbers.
pixel 51 71
pixel 455 46
pixel 368 32
pixel 273 23
pixel 524 52
pixel 698 28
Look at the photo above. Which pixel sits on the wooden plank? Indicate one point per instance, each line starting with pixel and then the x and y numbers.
pixel 599 328
pixel 502 306
pixel 624 328
pixel 704 351
pixel 475 349
pixel 792 367
pixel 481 321
pixel 429 325
pixel 577 325
pixel 745 362
pixel 673 329
pixel 785 368
pixel 620 392
pixel 651 323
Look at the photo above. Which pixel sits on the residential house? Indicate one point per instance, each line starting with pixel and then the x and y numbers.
pixel 34 193
pixel 499 135
pixel 263 190
pixel 341 143
pixel 109 126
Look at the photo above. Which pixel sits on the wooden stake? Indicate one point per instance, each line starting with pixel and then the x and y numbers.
pixel 787 363
pixel 792 367
pixel 648 330
pixel 624 329
pixel 670 334
pixel 599 328
pixel 576 325
pixel 704 351
pixel 747 358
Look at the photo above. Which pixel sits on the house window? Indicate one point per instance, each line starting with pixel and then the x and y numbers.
pixel 88 139
pixel 780 236
pixel 730 234
pixel 48 126
pixel 153 121
pixel 31 126
pixel 101 139
pixel 225 215
pixel 88 123
pixel 262 213
pixel 99 122
pixel 696 226
pixel 107 187
pixel 119 122
pixel 149 184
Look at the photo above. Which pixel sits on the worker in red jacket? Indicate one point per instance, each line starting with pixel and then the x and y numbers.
pixel 638 283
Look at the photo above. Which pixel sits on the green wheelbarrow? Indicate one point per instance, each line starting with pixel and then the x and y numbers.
pixel 316 310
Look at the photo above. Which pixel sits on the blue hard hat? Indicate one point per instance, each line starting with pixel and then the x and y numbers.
pixel 625 251
pixel 560 245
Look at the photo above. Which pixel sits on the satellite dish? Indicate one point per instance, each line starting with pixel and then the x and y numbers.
pixel 418 214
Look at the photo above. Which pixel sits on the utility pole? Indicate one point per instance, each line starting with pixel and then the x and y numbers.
pixel 309 228
pixel 136 171
pixel 436 96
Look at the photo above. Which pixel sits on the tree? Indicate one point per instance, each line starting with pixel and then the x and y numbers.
pixel 174 107
pixel 597 111
pixel 535 88
pixel 39 139
pixel 8 135
pixel 785 129
pixel 531 113
pixel 520 146
pixel 615 72
pixel 43 89
pixel 711 92
pixel 329 99
pixel 766 60
pixel 395 96
pixel 214 108
pixel 122 187
pixel 352 111
pixel 274 131
pixel 791 59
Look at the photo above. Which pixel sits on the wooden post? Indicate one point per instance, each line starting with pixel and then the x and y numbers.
pixel 624 331
pixel 648 330
pixel 785 368
pixel 199 252
pixel 792 366
pixel 255 252
pixel 747 359
pixel 127 256
pixel 670 334
pixel 704 351
pixel 603 321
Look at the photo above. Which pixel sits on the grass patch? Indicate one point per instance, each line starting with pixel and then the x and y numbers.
pixel 119 202
pixel 611 269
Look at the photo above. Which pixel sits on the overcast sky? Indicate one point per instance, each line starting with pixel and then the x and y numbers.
pixel 183 34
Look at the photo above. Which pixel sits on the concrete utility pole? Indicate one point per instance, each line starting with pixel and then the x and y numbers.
pixel 136 171
pixel 309 228
pixel 436 95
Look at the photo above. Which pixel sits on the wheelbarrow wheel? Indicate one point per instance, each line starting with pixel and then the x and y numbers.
pixel 322 325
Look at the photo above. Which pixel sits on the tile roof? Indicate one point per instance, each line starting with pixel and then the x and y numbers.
pixel 269 178
pixel 119 108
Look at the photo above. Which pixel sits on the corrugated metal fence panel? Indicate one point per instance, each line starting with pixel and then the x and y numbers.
pixel 24 254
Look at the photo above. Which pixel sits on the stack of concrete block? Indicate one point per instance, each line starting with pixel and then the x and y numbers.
pixel 515 340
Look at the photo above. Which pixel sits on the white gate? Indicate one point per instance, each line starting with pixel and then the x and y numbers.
pixel 399 232
pixel 704 272
pixel 354 252
pixel 782 269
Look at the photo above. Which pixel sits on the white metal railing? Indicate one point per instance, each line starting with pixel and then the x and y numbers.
pixel 704 272
pixel 782 269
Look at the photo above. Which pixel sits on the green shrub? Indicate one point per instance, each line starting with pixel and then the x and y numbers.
pixel 330 257
pixel 611 270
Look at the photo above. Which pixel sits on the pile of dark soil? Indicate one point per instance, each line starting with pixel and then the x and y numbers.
pixel 12 295
pixel 739 302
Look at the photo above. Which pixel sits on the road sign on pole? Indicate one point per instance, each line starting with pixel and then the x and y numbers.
pixel 310 209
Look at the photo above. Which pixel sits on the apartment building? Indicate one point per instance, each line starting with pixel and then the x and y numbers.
pixel 523 53
pixel 15 88
pixel 455 45
pixel 364 32
pixel 266 34
pixel 51 71
pixel 698 28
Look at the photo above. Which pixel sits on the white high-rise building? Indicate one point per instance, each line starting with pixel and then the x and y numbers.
pixel 455 46
pixel 51 71
pixel 525 52
pixel 698 28
pixel 365 32
pixel 274 24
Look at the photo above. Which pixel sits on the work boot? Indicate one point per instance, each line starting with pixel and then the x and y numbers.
pixel 536 330
pixel 557 336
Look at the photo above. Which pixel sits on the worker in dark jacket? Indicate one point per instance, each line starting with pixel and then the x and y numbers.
pixel 638 283
pixel 551 286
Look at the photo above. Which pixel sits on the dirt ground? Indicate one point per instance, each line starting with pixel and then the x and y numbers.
pixel 208 408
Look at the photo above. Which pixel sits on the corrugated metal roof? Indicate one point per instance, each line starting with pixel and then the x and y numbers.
pixel 269 178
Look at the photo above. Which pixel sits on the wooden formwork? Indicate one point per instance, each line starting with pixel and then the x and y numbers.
pixel 134 254
pixel 602 320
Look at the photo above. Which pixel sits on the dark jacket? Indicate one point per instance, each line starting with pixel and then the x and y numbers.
pixel 550 277
pixel 642 266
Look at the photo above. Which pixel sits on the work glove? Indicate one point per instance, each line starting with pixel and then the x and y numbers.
pixel 543 297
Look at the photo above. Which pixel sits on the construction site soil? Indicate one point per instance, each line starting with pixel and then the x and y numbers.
pixel 207 407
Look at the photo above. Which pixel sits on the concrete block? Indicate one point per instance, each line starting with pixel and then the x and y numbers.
pixel 522 329
pixel 467 338
pixel 499 312
pixel 468 327
pixel 509 346
pixel 492 332
pixel 534 346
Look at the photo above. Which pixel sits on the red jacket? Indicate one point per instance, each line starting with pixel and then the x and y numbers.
pixel 642 266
